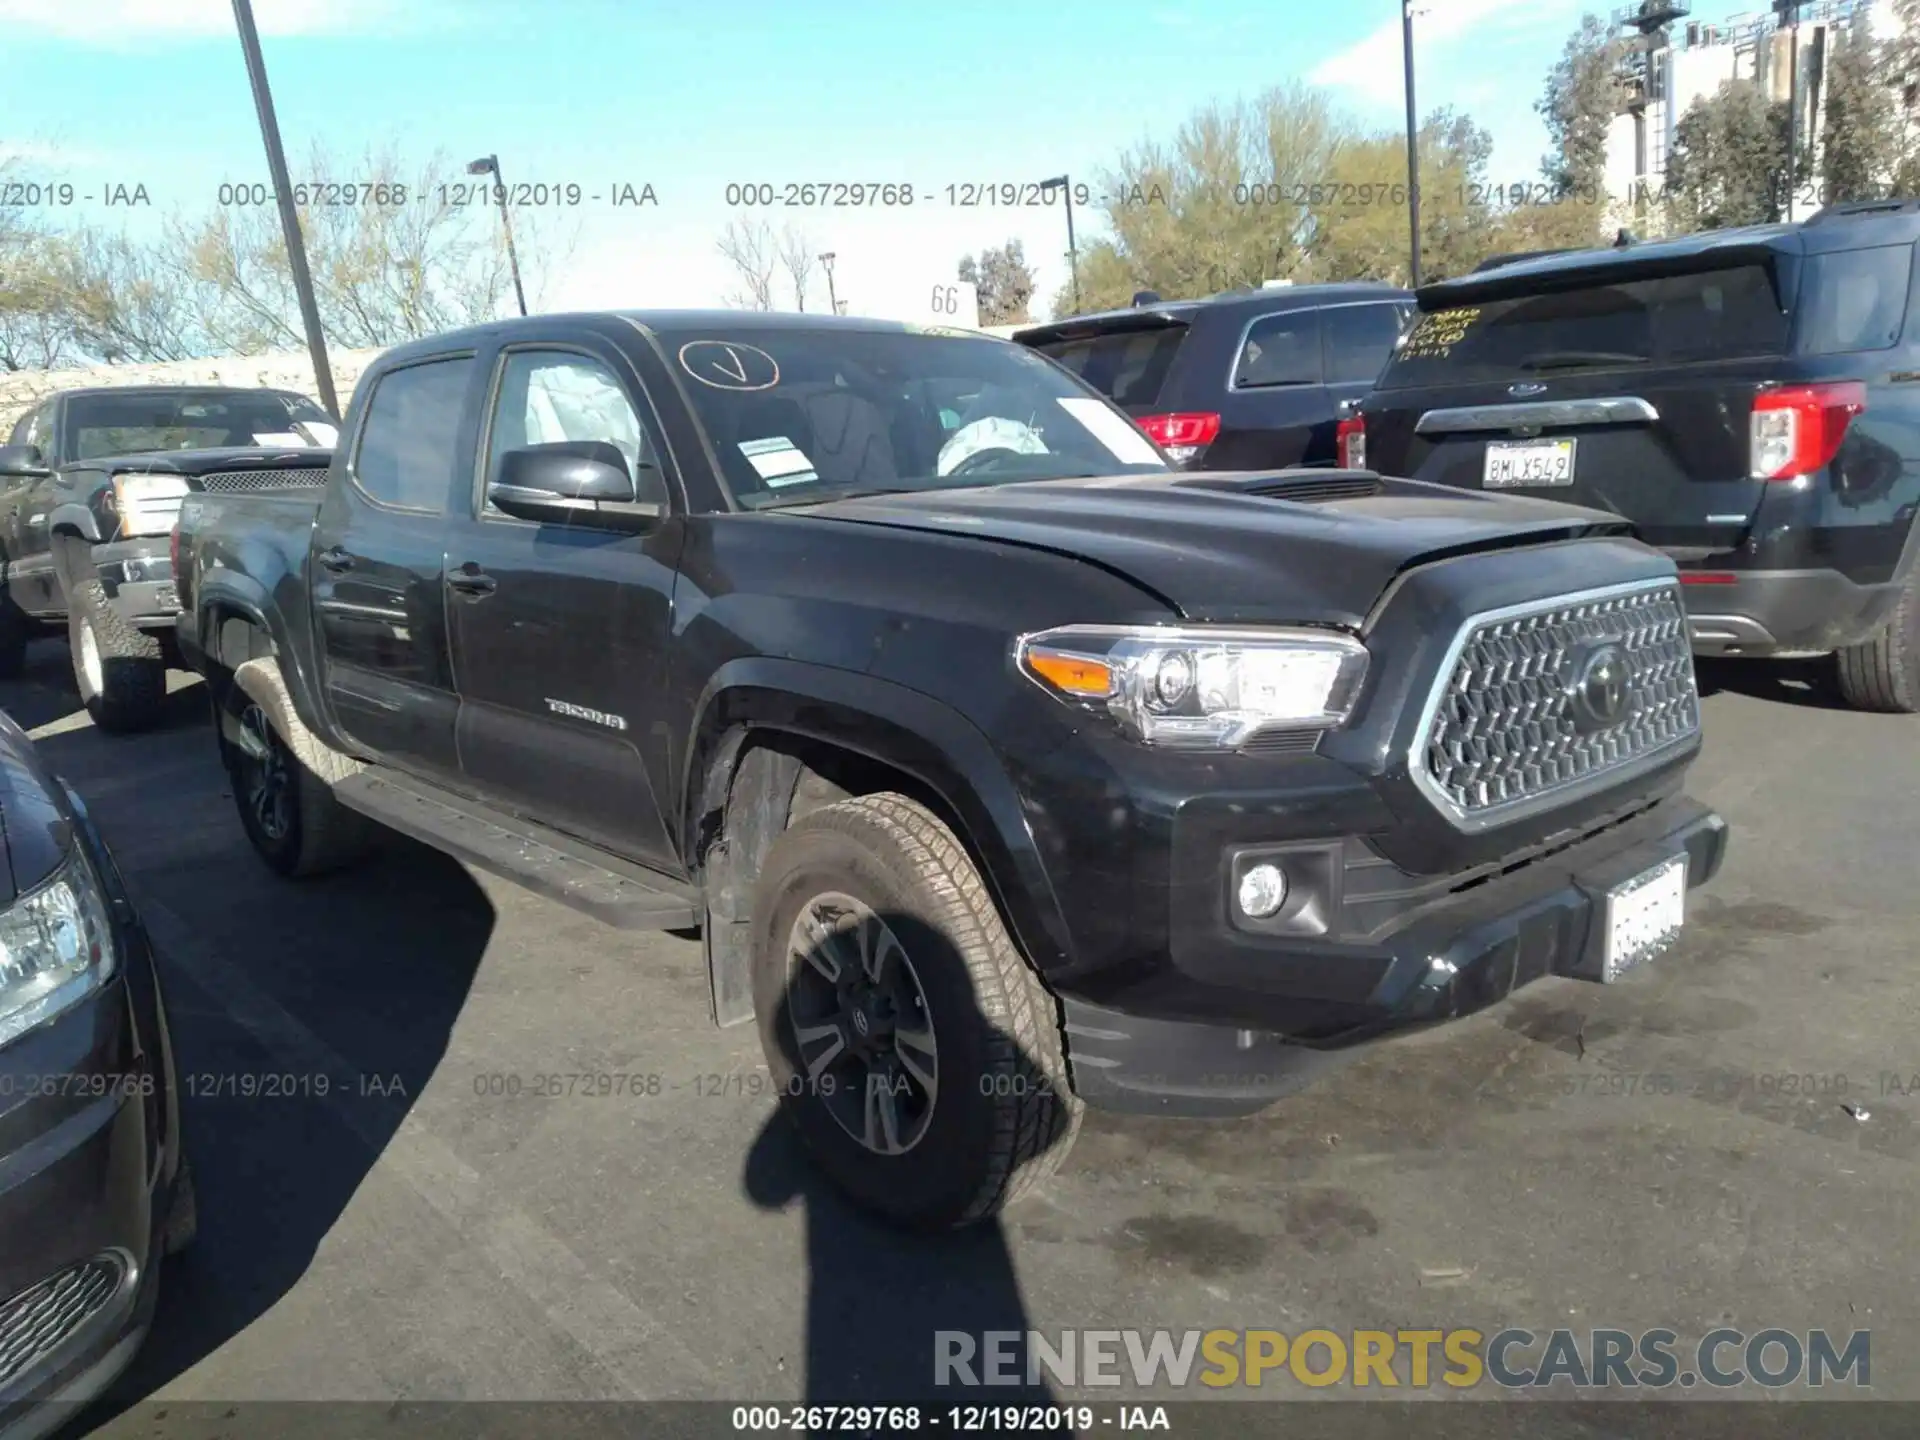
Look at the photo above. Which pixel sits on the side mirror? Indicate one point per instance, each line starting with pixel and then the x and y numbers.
pixel 568 482
pixel 23 461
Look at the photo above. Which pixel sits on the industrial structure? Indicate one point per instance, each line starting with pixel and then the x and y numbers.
pixel 1674 58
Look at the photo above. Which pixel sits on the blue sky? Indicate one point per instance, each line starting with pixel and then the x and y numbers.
pixel 689 97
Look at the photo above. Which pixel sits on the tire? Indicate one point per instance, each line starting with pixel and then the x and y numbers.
pixel 120 671
pixel 1883 673
pixel 289 813
pixel 1000 1115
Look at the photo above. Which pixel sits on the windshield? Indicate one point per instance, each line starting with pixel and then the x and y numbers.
pixel 798 416
pixel 193 420
pixel 1724 314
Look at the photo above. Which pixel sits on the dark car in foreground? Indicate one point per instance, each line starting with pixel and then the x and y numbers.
pixel 88 489
pixel 94 1189
pixel 1004 768
pixel 1749 399
pixel 1251 380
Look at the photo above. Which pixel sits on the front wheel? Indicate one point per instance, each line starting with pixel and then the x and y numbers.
pixel 120 671
pixel 289 813
pixel 912 1045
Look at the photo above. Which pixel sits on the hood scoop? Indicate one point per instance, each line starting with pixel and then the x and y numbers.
pixel 1303 487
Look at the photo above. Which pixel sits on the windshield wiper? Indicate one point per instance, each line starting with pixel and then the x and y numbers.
pixel 1567 359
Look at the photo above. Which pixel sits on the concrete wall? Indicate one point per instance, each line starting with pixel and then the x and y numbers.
pixel 21 390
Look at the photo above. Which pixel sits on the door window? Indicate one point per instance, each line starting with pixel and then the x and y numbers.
pixel 1358 340
pixel 1281 349
pixel 549 396
pixel 412 434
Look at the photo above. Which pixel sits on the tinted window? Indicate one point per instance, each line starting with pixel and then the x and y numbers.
pixel 1853 300
pixel 1280 350
pixel 1358 340
pixel 409 442
pixel 1709 315
pixel 134 421
pixel 549 396
pixel 801 415
pixel 1129 367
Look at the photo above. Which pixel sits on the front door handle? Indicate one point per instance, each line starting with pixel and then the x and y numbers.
pixel 336 560
pixel 471 580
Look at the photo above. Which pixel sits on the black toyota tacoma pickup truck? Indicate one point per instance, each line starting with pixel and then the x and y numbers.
pixel 89 483
pixel 1003 767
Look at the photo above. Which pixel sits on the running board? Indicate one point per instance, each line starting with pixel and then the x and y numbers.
pixel 557 866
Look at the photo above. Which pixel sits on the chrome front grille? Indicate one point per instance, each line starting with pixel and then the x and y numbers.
pixel 1551 699
pixel 303 478
pixel 37 1322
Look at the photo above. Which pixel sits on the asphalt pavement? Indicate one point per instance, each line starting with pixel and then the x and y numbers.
pixel 415 1183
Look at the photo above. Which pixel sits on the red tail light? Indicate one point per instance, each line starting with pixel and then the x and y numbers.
pixel 1350 443
pixel 1183 435
pixel 1797 429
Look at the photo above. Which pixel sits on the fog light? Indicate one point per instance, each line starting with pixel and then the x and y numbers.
pixel 1263 890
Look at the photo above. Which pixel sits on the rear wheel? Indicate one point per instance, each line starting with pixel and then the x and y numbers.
pixel 912 1045
pixel 120 671
pixel 289 813
pixel 1883 673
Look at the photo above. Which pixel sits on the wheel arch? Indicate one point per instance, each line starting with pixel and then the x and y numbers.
pixel 773 738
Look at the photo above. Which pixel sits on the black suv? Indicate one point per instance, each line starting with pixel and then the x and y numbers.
pixel 1749 399
pixel 1245 381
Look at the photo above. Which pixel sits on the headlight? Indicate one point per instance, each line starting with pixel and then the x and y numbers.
pixel 1202 688
pixel 56 948
pixel 148 504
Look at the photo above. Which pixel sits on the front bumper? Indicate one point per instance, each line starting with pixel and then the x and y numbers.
pixel 89 1157
pixel 1164 1044
pixel 138 578
pixel 1784 612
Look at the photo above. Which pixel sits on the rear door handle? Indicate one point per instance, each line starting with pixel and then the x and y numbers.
pixel 469 579
pixel 336 560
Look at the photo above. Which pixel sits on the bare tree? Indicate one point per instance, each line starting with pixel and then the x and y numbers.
pixel 797 257
pixel 750 247
pixel 394 256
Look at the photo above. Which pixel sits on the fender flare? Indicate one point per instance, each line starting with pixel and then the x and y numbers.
pixel 71 516
pixel 242 597
pixel 896 726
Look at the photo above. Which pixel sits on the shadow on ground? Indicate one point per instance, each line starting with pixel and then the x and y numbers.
pixel 283 1117
pixel 1792 682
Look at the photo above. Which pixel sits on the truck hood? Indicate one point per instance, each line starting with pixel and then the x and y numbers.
pixel 1214 548
pixel 206 462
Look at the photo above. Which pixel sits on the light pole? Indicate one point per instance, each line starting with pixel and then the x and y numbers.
pixel 1413 142
pixel 826 264
pixel 1073 253
pixel 490 165
pixel 289 217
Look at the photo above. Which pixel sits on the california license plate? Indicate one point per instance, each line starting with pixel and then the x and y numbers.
pixel 1644 916
pixel 1515 463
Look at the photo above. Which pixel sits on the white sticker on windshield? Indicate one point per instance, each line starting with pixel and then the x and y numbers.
pixel 1127 444
pixel 322 432
pixel 779 461
pixel 283 437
